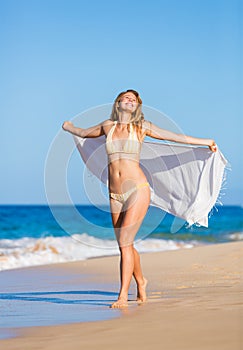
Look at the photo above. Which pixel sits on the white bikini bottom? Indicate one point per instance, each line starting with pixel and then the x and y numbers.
pixel 123 197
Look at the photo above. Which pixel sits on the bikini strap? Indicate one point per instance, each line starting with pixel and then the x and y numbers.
pixel 110 133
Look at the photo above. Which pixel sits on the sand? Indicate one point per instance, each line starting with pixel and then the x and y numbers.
pixel 195 301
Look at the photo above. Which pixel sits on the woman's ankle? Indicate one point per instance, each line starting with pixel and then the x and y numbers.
pixel 123 296
pixel 141 282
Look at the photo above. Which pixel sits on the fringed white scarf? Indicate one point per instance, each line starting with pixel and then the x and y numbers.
pixel 185 180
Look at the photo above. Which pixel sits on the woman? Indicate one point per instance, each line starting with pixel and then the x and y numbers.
pixel 128 186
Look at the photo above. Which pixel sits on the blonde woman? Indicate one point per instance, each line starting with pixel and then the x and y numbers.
pixel 128 187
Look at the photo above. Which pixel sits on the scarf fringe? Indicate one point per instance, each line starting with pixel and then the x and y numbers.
pixel 222 191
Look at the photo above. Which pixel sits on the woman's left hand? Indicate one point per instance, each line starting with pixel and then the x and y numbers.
pixel 213 146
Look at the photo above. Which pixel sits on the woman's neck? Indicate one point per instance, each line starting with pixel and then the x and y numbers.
pixel 124 118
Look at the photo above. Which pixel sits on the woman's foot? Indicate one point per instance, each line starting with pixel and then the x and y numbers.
pixel 119 304
pixel 141 295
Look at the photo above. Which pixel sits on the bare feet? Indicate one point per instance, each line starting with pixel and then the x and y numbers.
pixel 141 296
pixel 119 304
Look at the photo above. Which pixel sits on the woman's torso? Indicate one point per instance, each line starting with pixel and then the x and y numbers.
pixel 123 150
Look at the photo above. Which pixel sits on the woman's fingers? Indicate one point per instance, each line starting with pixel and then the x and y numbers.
pixel 66 125
pixel 213 147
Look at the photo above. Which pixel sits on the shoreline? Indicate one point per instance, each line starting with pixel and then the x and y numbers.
pixel 194 302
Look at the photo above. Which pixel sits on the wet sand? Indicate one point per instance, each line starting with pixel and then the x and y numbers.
pixel 195 301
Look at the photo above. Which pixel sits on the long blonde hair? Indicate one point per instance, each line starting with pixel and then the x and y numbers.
pixel 137 117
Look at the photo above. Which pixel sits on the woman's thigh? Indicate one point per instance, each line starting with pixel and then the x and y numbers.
pixel 116 215
pixel 133 213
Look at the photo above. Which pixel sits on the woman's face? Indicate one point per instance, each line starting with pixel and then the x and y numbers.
pixel 128 102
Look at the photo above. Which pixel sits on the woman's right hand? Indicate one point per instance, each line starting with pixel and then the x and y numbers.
pixel 67 126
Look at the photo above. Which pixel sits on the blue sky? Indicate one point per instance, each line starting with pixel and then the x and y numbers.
pixel 59 58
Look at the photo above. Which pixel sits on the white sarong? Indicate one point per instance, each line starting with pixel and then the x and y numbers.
pixel 185 181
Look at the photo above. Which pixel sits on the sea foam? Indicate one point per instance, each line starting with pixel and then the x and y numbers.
pixel 48 250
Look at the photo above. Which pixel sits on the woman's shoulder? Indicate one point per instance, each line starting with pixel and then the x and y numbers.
pixel 146 124
pixel 107 125
pixel 107 122
pixel 146 128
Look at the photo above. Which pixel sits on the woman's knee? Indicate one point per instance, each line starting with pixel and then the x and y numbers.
pixel 126 248
pixel 125 238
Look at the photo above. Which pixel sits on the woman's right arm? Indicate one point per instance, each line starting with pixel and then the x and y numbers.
pixel 93 131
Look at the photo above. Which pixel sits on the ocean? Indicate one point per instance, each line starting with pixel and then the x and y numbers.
pixel 36 234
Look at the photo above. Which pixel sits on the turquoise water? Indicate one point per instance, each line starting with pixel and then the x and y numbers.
pixel 37 221
pixel 31 235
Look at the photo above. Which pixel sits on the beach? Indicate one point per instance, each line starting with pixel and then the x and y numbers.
pixel 195 301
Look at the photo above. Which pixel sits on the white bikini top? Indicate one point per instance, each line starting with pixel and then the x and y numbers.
pixel 131 145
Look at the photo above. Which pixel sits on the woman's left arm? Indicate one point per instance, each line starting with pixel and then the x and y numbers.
pixel 161 134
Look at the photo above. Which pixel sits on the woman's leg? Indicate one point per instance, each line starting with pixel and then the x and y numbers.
pixel 126 272
pixel 117 214
pixel 139 278
pixel 126 226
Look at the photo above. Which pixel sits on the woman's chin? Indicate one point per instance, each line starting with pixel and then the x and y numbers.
pixel 130 109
